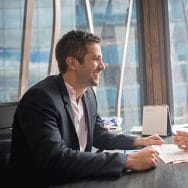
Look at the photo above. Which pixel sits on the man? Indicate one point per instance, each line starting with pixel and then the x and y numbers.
pixel 181 139
pixel 56 122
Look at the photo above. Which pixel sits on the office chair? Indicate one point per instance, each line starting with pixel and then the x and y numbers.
pixel 7 111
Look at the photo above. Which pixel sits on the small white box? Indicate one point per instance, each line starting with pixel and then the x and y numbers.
pixel 156 120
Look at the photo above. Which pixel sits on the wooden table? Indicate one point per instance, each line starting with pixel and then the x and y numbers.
pixel 164 176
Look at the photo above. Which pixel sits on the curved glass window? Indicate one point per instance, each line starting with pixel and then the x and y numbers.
pixel 178 27
pixel 73 15
pixel 41 40
pixel 11 23
pixel 110 21
pixel 104 17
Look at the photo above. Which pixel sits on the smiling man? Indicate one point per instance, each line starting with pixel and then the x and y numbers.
pixel 56 123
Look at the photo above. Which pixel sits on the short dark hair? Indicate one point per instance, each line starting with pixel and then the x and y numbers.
pixel 74 44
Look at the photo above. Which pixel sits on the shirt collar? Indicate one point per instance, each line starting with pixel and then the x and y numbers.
pixel 72 91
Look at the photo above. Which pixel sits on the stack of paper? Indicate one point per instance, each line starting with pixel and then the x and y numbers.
pixel 122 151
pixel 115 151
pixel 171 153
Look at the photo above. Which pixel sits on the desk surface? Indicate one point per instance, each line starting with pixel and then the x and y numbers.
pixel 164 176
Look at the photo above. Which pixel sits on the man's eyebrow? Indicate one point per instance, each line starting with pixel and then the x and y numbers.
pixel 97 55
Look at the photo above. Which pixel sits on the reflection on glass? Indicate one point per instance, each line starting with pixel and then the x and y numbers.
pixel 11 21
pixel 41 40
pixel 178 26
pixel 73 16
pixel 110 19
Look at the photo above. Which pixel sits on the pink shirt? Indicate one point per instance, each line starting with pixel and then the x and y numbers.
pixel 79 117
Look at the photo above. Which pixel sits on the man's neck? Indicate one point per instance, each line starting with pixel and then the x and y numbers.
pixel 73 82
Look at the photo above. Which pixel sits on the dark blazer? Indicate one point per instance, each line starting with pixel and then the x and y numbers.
pixel 44 140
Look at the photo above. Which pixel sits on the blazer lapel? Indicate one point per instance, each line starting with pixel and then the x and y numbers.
pixel 65 97
pixel 87 112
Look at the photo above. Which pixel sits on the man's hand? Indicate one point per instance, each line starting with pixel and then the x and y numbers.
pixel 148 141
pixel 142 160
pixel 181 139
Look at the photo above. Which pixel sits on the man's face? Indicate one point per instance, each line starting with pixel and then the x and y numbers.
pixel 89 72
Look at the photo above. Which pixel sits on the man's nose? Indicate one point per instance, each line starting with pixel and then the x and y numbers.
pixel 102 65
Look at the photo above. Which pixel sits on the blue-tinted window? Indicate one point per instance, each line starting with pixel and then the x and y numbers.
pixel 178 27
pixel 11 22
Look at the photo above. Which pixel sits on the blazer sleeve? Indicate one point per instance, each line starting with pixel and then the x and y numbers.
pixel 38 117
pixel 103 139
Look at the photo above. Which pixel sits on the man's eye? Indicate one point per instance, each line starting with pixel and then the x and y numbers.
pixel 97 59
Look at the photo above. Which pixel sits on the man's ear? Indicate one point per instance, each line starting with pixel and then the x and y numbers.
pixel 72 63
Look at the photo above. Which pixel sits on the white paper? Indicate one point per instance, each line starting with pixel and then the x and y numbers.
pixel 122 151
pixel 171 153
pixel 115 151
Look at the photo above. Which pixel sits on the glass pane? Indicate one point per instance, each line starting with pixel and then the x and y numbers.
pixel 8 4
pixel 73 15
pixel 110 19
pixel 10 15
pixel 41 40
pixel 178 27
pixel 11 21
